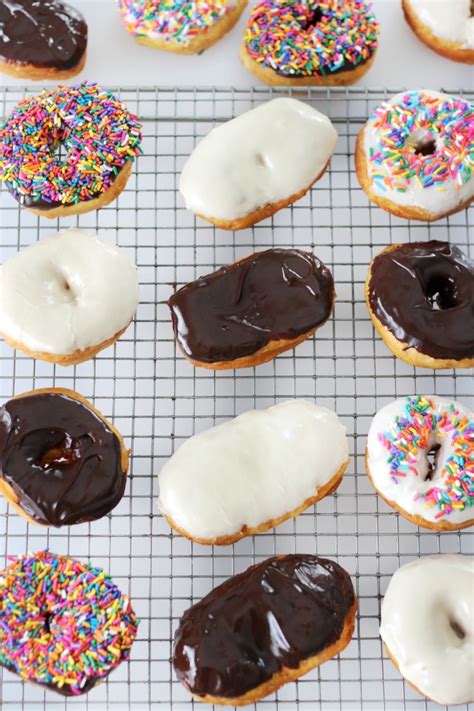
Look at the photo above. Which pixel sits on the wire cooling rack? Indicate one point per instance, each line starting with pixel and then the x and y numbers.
pixel 157 399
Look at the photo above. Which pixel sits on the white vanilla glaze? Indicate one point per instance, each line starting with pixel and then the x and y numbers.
pixel 67 292
pixel 404 490
pixel 450 21
pixel 256 467
pixel 263 156
pixel 428 607
pixel 437 198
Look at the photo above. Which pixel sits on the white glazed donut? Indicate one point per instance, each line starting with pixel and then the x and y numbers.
pixel 67 296
pixel 252 472
pixel 403 437
pixel 413 155
pixel 446 27
pixel 427 626
pixel 255 164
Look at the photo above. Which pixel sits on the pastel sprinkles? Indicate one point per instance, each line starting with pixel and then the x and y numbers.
pixel 96 133
pixel 173 20
pixel 413 431
pixel 311 37
pixel 448 122
pixel 63 624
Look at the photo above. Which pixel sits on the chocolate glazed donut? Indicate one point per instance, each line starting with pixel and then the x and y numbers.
pixel 248 312
pixel 61 463
pixel 264 627
pixel 41 38
pixel 421 300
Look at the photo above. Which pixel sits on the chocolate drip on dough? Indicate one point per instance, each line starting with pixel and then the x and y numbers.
pixel 423 293
pixel 41 33
pixel 62 461
pixel 276 614
pixel 272 295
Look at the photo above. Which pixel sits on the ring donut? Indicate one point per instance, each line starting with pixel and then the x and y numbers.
pixel 64 625
pixel 427 626
pixel 310 42
pixel 420 459
pixel 68 150
pixel 412 157
pixel 445 27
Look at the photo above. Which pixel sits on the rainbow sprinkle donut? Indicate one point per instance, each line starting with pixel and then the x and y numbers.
pixel 63 624
pixel 310 42
pixel 181 26
pixel 415 155
pixel 420 458
pixel 68 150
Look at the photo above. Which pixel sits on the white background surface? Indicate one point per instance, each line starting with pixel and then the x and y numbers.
pixel 115 58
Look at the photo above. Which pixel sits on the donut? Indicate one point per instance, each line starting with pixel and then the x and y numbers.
pixel 427 626
pixel 263 628
pixel 64 624
pixel 447 28
pixel 84 290
pixel 412 157
pixel 68 150
pixel 181 26
pixel 420 298
pixel 420 459
pixel 41 39
pixel 254 165
pixel 310 42
pixel 253 472
pixel 250 311
pixel 61 461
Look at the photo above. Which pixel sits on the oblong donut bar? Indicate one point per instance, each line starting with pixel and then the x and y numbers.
pixel 253 472
pixel 248 312
pixel 264 627
pixel 72 278
pixel 61 461
pixel 427 626
pixel 251 166
pixel 420 459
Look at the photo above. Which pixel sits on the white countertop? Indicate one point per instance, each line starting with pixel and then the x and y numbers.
pixel 114 58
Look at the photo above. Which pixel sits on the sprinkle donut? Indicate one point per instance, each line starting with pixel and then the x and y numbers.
pixel 64 624
pixel 309 42
pixel 427 626
pixel 97 138
pixel 445 27
pixel 420 459
pixel 414 155
pixel 181 26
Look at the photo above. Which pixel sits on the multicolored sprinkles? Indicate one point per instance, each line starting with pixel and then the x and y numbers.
pixel 310 37
pixel 421 424
pixel 62 623
pixel 447 122
pixel 172 20
pixel 96 135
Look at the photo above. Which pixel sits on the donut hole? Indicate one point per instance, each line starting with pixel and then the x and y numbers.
pixel 50 449
pixel 315 17
pixel 432 460
pixel 261 160
pixel 441 292
pixel 422 142
pixel 457 629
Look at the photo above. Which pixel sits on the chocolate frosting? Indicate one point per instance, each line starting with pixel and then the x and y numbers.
pixel 423 293
pixel 61 459
pixel 276 614
pixel 41 33
pixel 272 295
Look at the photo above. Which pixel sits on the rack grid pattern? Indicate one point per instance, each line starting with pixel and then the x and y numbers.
pixel 157 399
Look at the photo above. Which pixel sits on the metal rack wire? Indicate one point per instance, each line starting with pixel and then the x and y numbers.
pixel 157 399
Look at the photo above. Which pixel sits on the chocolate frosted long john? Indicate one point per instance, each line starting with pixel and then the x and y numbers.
pixel 41 33
pixel 278 294
pixel 281 615
pixel 62 461
pixel 423 293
